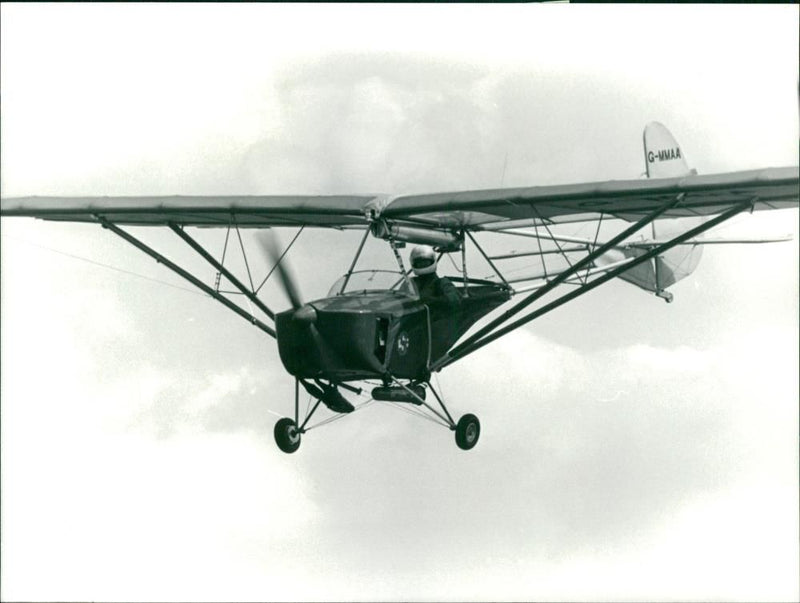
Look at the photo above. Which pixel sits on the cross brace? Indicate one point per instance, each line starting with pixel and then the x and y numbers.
pixel 221 269
pixel 483 337
pixel 560 278
pixel 184 274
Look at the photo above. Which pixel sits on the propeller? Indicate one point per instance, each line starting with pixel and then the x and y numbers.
pixel 307 315
pixel 269 244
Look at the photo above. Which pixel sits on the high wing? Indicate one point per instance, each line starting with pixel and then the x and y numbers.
pixel 771 188
pixel 446 220
pixel 244 211
pixel 474 210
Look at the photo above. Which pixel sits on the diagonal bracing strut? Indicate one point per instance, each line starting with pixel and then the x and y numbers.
pixel 560 278
pixel 183 273
pixel 466 349
pixel 220 268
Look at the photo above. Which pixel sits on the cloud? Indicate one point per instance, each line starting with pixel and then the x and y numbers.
pixel 381 122
pixel 587 454
pixel 619 438
pixel 559 475
pixel 92 493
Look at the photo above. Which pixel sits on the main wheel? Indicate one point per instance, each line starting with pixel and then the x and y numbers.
pixel 287 436
pixel 468 430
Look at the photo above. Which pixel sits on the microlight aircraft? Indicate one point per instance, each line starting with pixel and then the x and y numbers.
pixel 376 333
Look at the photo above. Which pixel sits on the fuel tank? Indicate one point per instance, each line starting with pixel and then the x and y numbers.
pixel 414 394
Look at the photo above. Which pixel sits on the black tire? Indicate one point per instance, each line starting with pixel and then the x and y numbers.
pixel 468 430
pixel 286 435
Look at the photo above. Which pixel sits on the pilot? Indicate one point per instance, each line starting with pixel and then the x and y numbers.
pixel 431 287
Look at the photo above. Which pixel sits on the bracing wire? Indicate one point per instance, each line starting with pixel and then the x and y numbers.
pixel 413 411
pixel 338 416
pixel 396 405
pixel 244 256
pixel 107 266
pixel 285 251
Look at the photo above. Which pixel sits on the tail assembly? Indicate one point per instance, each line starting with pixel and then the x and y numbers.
pixel 663 159
pixel 666 269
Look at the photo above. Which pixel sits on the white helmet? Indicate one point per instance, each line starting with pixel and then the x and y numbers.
pixel 423 260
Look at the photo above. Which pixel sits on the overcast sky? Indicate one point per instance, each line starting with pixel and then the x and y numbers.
pixel 631 450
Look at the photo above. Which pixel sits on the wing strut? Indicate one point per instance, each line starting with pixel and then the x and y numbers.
pixel 471 345
pixel 280 259
pixel 486 257
pixel 355 259
pixel 560 278
pixel 220 268
pixel 183 273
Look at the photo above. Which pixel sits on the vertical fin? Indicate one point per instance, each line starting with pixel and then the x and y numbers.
pixel 663 157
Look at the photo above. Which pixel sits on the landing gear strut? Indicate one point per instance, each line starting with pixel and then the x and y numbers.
pixel 288 432
pixel 468 428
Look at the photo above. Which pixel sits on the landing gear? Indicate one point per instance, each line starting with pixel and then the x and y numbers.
pixel 468 430
pixel 287 436
pixel 288 432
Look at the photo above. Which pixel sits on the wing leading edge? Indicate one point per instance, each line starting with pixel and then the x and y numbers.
pixel 205 211
pixel 474 210
pixel 773 188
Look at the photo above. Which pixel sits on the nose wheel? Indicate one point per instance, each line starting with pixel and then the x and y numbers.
pixel 468 430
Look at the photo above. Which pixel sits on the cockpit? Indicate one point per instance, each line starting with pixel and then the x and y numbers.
pixel 373 281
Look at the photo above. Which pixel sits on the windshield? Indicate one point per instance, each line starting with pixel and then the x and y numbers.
pixel 362 281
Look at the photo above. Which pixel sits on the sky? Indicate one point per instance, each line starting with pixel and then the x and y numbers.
pixel 630 449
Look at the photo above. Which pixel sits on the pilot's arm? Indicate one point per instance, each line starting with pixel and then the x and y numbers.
pixel 449 292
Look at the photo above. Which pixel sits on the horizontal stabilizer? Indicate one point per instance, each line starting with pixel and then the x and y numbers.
pixel 666 269
pixel 718 241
